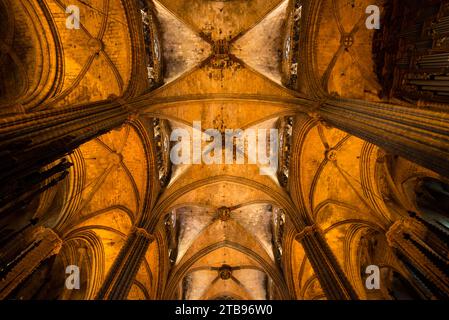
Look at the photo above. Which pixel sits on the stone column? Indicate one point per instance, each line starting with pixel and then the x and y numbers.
pixel 123 272
pixel 331 277
pixel 43 244
pixel 18 193
pixel 423 252
pixel 32 141
pixel 419 135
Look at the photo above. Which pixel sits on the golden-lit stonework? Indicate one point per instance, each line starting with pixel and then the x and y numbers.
pixel 352 202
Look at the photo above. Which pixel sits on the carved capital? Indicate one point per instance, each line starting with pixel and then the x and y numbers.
pixel 315 115
pixel 308 230
pixel 15 109
pixel 314 112
pixel 225 272
pixel 141 232
pixel 331 155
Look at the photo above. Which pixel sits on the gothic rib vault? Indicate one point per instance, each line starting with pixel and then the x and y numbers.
pixel 107 97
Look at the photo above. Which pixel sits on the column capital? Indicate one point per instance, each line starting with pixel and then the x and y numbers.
pixel 306 231
pixel 47 235
pixel 141 232
pixel 34 140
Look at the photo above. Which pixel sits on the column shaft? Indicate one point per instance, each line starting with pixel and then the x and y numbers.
pixel 419 135
pixel 423 253
pixel 43 244
pixel 331 277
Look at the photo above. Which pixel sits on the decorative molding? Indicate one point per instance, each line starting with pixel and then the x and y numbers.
pixel 306 231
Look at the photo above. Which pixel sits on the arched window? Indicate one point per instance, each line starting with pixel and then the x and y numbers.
pixel 152 44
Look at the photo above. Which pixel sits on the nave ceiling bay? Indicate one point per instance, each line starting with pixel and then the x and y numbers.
pixel 223 85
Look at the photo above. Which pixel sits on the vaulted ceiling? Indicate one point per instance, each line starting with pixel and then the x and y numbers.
pixel 230 65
